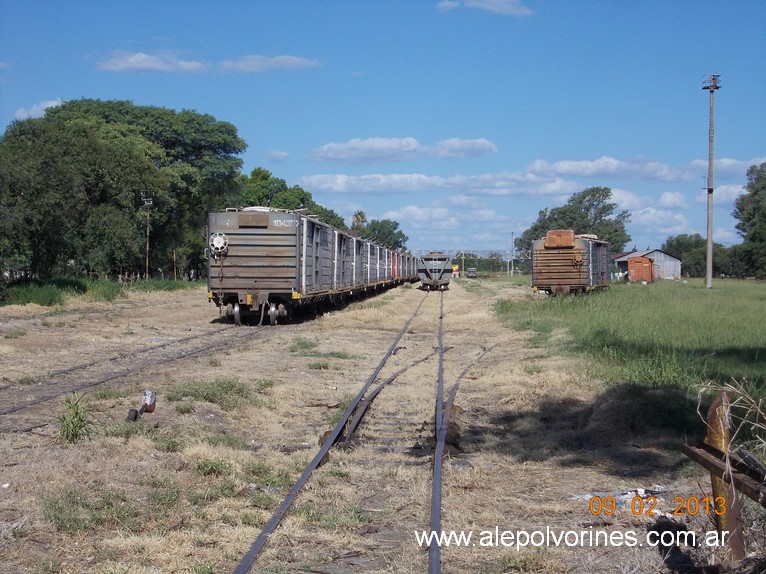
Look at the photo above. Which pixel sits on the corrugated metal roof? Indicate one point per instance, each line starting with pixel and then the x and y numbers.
pixel 625 255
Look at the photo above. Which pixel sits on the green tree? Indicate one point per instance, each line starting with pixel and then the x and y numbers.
pixel 692 251
pixel 385 232
pixel 358 221
pixel 588 211
pixel 58 171
pixel 54 174
pixel 750 211
pixel 262 188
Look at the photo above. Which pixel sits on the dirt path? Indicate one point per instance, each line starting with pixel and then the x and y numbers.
pixel 187 489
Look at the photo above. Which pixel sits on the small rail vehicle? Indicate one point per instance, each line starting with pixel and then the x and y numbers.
pixel 434 271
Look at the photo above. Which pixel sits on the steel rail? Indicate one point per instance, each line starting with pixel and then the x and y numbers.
pixel 249 558
pixel 434 550
pixel 128 371
pixel 366 403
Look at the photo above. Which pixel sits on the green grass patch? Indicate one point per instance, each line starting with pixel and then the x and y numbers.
pixel 213 467
pixel 73 509
pixel 665 333
pixel 14 333
pixel 332 518
pixel 307 348
pixel 227 440
pixel 260 473
pixel 227 393
pixel 164 493
pixel 55 292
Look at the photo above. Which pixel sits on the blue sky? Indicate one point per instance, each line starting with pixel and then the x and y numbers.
pixel 460 119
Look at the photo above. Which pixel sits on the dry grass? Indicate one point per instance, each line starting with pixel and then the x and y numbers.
pixel 536 431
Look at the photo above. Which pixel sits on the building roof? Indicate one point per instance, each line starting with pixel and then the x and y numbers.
pixel 648 253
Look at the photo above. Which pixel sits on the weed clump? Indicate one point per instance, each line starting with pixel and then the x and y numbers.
pixel 77 421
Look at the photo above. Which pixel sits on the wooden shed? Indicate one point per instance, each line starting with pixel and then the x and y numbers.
pixel 641 269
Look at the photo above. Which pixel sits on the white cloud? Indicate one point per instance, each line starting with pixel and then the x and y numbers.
pixel 368 150
pixel 672 199
pixel 727 193
pixel 448 5
pixel 121 61
pixel 256 64
pixel 415 213
pixel 609 166
pixel 463 200
pixel 277 155
pixel 487 215
pixel 420 218
pixel 37 110
pixel 726 166
pixel 726 236
pixel 379 149
pixel 496 184
pixel 505 7
pixel 626 199
pixel 659 221
pixel 722 194
pixel 455 147
pixel 370 183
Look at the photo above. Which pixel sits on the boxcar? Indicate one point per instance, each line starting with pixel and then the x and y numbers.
pixel 434 270
pixel 270 261
pixel 563 262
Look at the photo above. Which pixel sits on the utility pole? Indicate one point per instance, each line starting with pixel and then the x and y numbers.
pixel 710 85
pixel 147 205
pixel 512 252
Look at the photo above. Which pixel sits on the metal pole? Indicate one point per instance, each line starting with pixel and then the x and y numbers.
pixel 712 86
pixel 147 204
pixel 146 272
pixel 511 253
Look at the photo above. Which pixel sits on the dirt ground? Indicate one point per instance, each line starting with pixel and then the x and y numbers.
pixel 188 488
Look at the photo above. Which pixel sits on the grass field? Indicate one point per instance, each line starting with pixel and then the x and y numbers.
pixel 56 291
pixel 675 337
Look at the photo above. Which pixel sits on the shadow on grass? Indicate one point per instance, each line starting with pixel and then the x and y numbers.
pixel 628 429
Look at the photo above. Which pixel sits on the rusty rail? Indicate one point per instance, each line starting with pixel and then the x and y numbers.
pixel 247 561
pixel 743 477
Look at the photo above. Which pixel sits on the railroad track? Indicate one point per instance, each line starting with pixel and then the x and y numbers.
pixel 390 421
pixel 23 403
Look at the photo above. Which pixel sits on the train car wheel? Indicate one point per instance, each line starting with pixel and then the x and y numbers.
pixel 237 314
pixel 273 314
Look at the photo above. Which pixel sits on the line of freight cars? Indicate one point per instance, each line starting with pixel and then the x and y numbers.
pixel 264 261
pixel 563 262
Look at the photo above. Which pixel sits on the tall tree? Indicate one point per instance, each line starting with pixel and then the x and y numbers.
pixel 589 211
pixel 750 211
pixel 262 188
pixel 58 170
pixel 386 232
pixel 358 221
pixel 692 251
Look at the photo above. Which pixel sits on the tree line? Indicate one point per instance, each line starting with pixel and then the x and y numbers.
pixel 80 186
pixel 77 186
pixel 591 211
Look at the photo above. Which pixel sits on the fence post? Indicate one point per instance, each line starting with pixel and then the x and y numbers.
pixel 718 435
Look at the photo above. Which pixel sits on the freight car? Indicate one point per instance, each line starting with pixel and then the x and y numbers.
pixel 567 263
pixel 265 261
pixel 434 271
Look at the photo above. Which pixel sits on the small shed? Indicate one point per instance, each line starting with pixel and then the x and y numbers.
pixel 665 266
pixel 640 269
